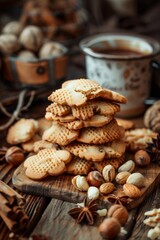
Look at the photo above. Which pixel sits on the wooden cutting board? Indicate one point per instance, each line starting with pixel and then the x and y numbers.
pixel 61 188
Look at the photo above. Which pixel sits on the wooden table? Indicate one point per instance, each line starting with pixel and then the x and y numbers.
pixel 49 218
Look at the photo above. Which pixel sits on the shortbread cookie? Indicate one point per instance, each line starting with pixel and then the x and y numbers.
pixel 58 110
pixel 51 117
pixel 43 125
pixel 85 112
pixel 101 135
pixel 60 135
pixel 46 162
pixel 115 162
pixel 22 131
pixel 95 121
pixel 42 144
pixel 78 166
pixel 97 153
pixel 77 92
pixel 138 138
pixel 126 124
pixel 29 145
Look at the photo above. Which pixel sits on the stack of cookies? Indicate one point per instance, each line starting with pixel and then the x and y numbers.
pixel 83 124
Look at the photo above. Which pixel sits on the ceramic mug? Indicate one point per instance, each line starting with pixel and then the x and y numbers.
pixel 122 62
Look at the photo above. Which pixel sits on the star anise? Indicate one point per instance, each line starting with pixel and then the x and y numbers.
pixel 153 149
pixel 85 213
pixel 122 200
pixel 3 151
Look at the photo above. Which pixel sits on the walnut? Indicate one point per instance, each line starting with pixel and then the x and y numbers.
pixel 31 38
pixel 152 116
pixel 13 27
pixel 9 43
pixel 51 49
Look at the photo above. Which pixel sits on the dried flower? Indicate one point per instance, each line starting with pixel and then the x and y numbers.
pixel 153 149
pixel 85 213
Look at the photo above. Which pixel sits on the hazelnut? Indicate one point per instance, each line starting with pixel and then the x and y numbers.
pixel 95 178
pixel 93 193
pixel 119 212
pixel 14 155
pixel 31 38
pixel 108 173
pixel 142 158
pixel 109 228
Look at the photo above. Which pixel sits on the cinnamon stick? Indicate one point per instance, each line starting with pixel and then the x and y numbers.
pixel 11 224
pixel 7 211
pixel 5 189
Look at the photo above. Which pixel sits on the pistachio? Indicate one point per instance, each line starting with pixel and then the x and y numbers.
pixel 136 179
pixel 108 173
pixel 129 166
pixel 93 193
pixel 106 188
pixel 80 183
pixel 121 177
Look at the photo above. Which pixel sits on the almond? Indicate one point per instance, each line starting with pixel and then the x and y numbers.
pixel 121 177
pixel 106 188
pixel 131 191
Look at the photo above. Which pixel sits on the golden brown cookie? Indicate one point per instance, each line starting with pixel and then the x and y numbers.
pixel 95 121
pixel 138 138
pixel 77 92
pixel 126 124
pixel 46 162
pixel 97 153
pixel 58 110
pixel 60 135
pixel 42 144
pixel 115 162
pixel 51 117
pixel 22 131
pixel 29 145
pixel 43 125
pixel 78 166
pixel 101 135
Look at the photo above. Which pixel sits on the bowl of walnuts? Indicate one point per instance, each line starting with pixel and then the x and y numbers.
pixel 29 59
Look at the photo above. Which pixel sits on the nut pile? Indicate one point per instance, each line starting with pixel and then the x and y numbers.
pixel 96 183
pixel 28 43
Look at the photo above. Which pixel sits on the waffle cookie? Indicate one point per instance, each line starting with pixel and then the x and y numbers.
pixel 115 162
pixel 78 92
pixel 95 121
pixel 42 144
pixel 97 153
pixel 29 145
pixel 78 166
pixel 22 131
pixel 46 162
pixel 85 112
pixel 101 135
pixel 60 135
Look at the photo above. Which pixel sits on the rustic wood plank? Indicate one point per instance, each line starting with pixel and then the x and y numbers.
pixel 60 187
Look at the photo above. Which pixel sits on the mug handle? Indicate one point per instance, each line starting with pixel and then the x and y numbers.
pixel 155 64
